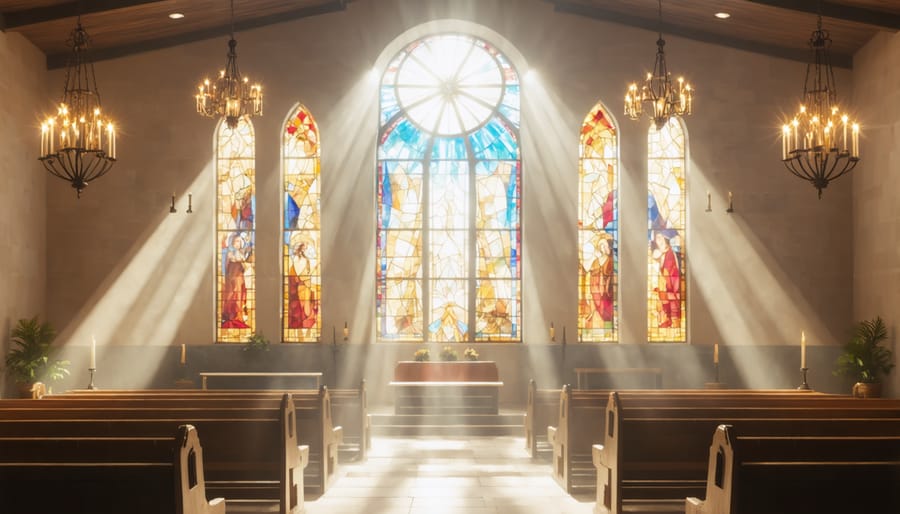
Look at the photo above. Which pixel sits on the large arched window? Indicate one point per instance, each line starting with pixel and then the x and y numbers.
pixel 449 189
pixel 667 233
pixel 301 272
pixel 235 232
pixel 598 228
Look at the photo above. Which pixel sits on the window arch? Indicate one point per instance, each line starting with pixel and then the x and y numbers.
pixel 598 228
pixel 301 215
pixel 235 232
pixel 448 194
pixel 667 232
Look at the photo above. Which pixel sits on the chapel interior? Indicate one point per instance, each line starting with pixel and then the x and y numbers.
pixel 372 208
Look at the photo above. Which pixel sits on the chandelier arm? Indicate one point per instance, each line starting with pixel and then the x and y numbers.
pixel 49 165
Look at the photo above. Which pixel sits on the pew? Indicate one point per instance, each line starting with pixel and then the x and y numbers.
pixel 658 454
pixel 777 474
pixel 350 410
pixel 252 453
pixel 541 411
pixel 105 475
pixel 579 425
pixel 315 421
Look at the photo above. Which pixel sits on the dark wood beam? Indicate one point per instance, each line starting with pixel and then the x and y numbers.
pixel 99 54
pixel 840 12
pixel 562 6
pixel 37 15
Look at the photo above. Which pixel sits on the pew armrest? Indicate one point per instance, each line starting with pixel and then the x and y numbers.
pixel 338 435
pixel 216 506
pixel 598 455
pixel 551 435
pixel 693 505
pixel 303 450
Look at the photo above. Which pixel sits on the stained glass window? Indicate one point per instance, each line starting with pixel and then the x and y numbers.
pixel 301 272
pixel 235 232
pixel 666 234
pixel 598 228
pixel 449 189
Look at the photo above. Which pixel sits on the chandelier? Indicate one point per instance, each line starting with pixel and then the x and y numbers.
pixel 78 144
pixel 815 145
pixel 230 96
pixel 663 97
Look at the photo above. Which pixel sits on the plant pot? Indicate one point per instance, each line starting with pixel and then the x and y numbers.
pixel 867 390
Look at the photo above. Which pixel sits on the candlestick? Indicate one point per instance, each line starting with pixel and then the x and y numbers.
pixel 172 208
pixel 803 385
pixel 552 333
pixel 346 331
pixel 716 354
pixel 803 349
pixel 93 363
pixel 564 335
pixel 91 384
pixel 708 202
pixel 730 202
pixel 183 355
pixel 190 208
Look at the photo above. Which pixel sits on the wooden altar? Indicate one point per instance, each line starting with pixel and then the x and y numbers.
pixel 451 387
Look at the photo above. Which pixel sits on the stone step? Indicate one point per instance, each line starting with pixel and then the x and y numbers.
pixel 448 424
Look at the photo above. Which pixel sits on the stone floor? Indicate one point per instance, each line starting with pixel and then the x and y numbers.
pixel 436 475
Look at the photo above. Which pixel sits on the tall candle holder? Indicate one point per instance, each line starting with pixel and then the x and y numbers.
pixel 804 386
pixel 91 384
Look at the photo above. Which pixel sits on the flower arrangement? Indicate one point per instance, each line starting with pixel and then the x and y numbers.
pixel 422 355
pixel 257 342
pixel 470 354
pixel 449 354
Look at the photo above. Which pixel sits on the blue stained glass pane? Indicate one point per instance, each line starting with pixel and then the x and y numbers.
pixel 389 104
pixel 511 114
pixel 387 197
pixel 403 141
pixel 291 212
pixel 511 102
pixel 494 141
pixel 449 149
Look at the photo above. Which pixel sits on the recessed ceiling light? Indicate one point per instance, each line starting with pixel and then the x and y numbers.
pixel 179 15
pixel 723 15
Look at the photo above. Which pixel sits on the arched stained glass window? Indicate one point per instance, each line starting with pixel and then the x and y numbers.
pixel 598 228
pixel 301 272
pixel 449 189
pixel 667 233
pixel 235 232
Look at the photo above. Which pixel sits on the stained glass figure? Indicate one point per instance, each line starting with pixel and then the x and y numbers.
pixel 301 275
pixel 448 243
pixel 666 234
pixel 598 228
pixel 235 233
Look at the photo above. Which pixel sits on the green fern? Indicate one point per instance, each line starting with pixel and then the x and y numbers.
pixel 29 359
pixel 864 360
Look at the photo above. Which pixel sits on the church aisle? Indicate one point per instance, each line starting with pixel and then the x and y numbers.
pixel 437 475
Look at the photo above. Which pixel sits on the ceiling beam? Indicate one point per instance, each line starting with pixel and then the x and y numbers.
pixel 653 25
pixel 12 20
pixel 840 12
pixel 99 54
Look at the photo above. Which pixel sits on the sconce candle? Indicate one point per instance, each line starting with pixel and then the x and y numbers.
pixel 346 331
pixel 552 332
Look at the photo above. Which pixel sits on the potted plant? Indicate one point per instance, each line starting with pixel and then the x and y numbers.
pixel 256 342
pixel 864 359
pixel 422 355
pixel 29 360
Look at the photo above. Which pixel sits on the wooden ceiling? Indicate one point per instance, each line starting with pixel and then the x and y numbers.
pixel 773 27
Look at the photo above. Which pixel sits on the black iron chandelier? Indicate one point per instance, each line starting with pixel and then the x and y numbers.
pixel 820 143
pixel 78 144
pixel 664 98
pixel 230 95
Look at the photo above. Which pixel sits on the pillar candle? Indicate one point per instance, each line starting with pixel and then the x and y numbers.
pixel 183 360
pixel 802 349
pixel 93 363
pixel 552 332
pixel 716 353
pixel 346 331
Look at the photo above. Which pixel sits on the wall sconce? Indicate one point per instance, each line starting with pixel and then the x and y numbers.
pixel 730 208
pixel 190 208
pixel 708 201
pixel 346 331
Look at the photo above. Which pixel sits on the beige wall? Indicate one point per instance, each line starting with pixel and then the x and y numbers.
pixel 876 213
pixel 23 94
pixel 121 267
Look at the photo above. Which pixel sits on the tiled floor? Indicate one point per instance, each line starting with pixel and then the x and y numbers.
pixel 437 475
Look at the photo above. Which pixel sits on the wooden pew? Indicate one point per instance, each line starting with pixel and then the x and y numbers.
pixel 350 410
pixel 105 475
pixel 580 425
pixel 777 474
pixel 252 452
pixel 315 423
pixel 659 453
pixel 541 412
